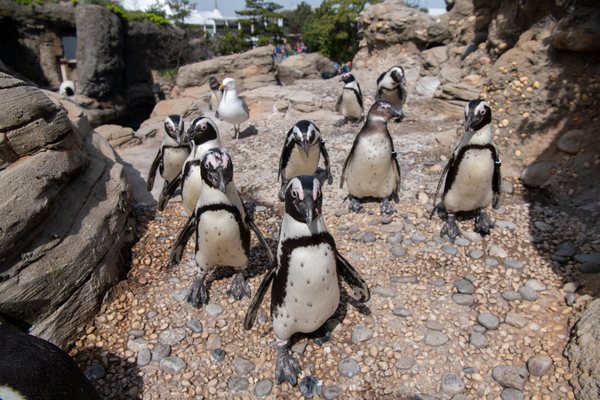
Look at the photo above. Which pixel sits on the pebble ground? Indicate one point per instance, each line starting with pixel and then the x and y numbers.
pixel 483 318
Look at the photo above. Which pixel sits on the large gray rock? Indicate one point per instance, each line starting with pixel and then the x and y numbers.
pixel 65 230
pixel 304 66
pixel 578 31
pixel 100 44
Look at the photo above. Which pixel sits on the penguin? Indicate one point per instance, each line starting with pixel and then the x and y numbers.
pixel 391 87
pixel 216 94
pixel 472 175
pixel 305 280
pixel 350 102
pixel 300 154
pixel 32 368
pixel 232 108
pixel 171 155
pixel 203 134
pixel 372 168
pixel 222 227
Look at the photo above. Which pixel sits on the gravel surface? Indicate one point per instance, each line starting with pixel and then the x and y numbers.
pixel 419 334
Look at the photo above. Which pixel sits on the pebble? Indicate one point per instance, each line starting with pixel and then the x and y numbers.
pixel 161 351
pixel 237 385
pixel 332 392
pixel 368 237
pixel 143 358
pixel 405 363
pixel 435 338
pixel 592 258
pixel 213 342
pixel 348 367
pixel 384 292
pixel 505 224
pixel 589 268
pixel 136 345
pixel 448 249
pixel 172 336
pixel 218 355
pixel 511 295
pixel 528 293
pixel 310 387
pixel 476 254
pixel 172 365
pixel 539 365
pixel 491 262
pixel 398 251
pixel 195 325
pixel 536 285
pixel 181 295
pixel 497 251
pixel 570 299
pixel 401 311
pixel 512 263
pixel 263 388
pixel 461 241
pixel 488 320
pixel 214 309
pixel 434 325
pixel 137 333
pixel 479 328
pixel 477 340
pixel 95 372
pixel 464 286
pixel 151 315
pixel 542 226
pixel 437 282
pixel 463 299
pixel 510 377
pixel 404 279
pixel 460 397
pixel 243 367
pixel 472 236
pixel 570 287
pixel 418 237
pixel 361 333
pixel 299 347
pixel 516 320
pixel 566 249
pixel 452 384
pixel 511 394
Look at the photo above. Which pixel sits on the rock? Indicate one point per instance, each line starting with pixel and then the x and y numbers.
pixel 384 292
pixel 332 392
pixel 368 237
pixel 516 320
pixel 535 284
pixel 426 86
pixel 566 249
pixel 95 372
pixel 570 142
pixel 137 345
pixel 476 254
pixel 505 224
pixel 218 355
pixel 452 384
pixel 398 251
pixel 404 279
pixel 539 365
pixel 461 241
pixel 511 295
pixel 497 251
pixel 510 377
pixel 511 394
pixel 435 338
pixel 528 293
pixel 237 385
pixel 570 287
pixel 172 336
pixel 117 135
pixel 305 66
pixel 463 299
pixel 161 351
pixel 299 347
pixel 137 333
pixel 491 262
pixel 512 263
pixel 579 30
pixel 194 325
pixel 213 342
pixel 570 299
pixel 448 249
pixel 401 311
pixel 214 309
pixel 263 388
pixel 537 175
pixel 477 340
pixel 404 363
pixel 243 367
pixel 434 57
pixel 360 334
pixel 464 286
pixel 593 258
pixel 348 367
pixel 488 320
pixel 172 365
pixel 507 187
pixel 143 358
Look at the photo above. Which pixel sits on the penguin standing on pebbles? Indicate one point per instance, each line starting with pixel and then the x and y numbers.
pixel 232 108
pixel 222 228
pixel 473 179
pixel 305 292
pixel 371 169
pixel 350 102
pixel 391 87
pixel 171 155
pixel 300 155
pixel 216 94
pixel 203 134
pixel 32 368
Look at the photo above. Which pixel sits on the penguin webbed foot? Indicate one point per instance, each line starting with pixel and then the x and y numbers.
pixel 286 367
pixel 321 335
pixel 198 293
pixel 355 204
pixel 311 386
pixel 386 207
pixel 450 229
pixel 483 224
pixel 239 287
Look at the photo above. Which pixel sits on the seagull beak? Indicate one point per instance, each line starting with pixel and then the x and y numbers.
pixel 221 87
pixel 305 146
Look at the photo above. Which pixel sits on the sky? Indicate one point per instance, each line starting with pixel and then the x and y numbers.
pixel 228 7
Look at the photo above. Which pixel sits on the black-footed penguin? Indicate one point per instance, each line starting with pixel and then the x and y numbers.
pixel 391 87
pixel 232 108
pixel 34 369
pixel 222 227
pixel 171 155
pixel 300 155
pixel 305 292
pixel 371 169
pixel 350 102
pixel 473 179
pixel 216 94
pixel 203 134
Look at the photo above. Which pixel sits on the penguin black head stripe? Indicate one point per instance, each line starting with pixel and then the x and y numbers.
pixel 303 198
pixel 217 169
pixel 305 133
pixel 347 77
pixel 384 111
pixel 477 115
pixel 213 82
pixel 397 74
pixel 201 130
pixel 175 127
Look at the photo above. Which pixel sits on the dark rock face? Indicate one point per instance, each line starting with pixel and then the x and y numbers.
pixel 99 52
pixel 65 205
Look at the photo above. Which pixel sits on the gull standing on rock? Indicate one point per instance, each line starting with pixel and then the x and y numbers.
pixel 232 108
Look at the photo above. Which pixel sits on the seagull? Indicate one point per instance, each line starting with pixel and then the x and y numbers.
pixel 232 109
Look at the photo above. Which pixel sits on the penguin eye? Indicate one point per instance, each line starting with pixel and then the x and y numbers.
pixel 294 194
pixel 203 125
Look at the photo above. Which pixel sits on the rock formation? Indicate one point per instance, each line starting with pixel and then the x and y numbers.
pixel 304 66
pixel 65 231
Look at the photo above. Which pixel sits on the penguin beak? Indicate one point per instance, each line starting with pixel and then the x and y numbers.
pixel 222 182
pixel 305 146
pixel 466 138
pixel 309 205
pixel 468 122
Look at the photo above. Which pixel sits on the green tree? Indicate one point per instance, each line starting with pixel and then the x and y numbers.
pixel 264 16
pixel 297 18
pixel 230 42
pixel 180 9
pixel 333 31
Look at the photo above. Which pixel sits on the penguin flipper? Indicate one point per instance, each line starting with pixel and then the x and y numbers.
pixel 260 237
pixel 353 279
pixel 181 241
pixel 258 298
pixel 285 156
pixel 348 159
pixel 168 192
pixel 398 176
pixel 326 160
pixel 338 105
pixel 497 179
pixel 152 171
pixel 439 185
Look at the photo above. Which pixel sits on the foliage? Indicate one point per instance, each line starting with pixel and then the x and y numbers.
pixel 263 15
pixel 30 2
pixel 158 19
pixel 298 17
pixel 230 42
pixel 333 30
pixel 180 9
pixel 168 72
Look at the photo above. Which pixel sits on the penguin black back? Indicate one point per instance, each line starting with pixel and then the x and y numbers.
pixel 37 369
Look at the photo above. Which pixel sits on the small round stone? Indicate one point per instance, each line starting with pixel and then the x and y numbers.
pixel 172 336
pixel 452 384
pixel 213 342
pixel 497 251
pixel 516 320
pixel 512 263
pixel 435 339
pixel 368 237
pixel 536 285
pixel 418 237
pixel 461 241
pixel 172 365
pixel 488 320
pixel 95 372
pixel 464 286
pixel 237 385
pixel 143 358
pixel 463 299
pixel 570 299
pixel 398 251
pixel 491 262
pixel 477 340
pixel 218 355
pixel 195 325
pixel 263 388
pixel 405 363
pixel 348 367
pixel 401 311
pixel 243 367
pixel 214 309
pixel 528 293
pixel 511 295
pixel 384 292
pixel 332 392
pixel 539 365
pixel 361 333
pixel 161 351
pixel 448 249
pixel 434 325
pixel 511 394
pixel 509 376
pixel 476 254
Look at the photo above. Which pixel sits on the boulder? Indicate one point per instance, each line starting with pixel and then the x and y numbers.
pixel 426 86
pixel 578 31
pixel 118 135
pixel 434 58
pixel 304 66
pixel 252 69
pixel 65 232
pixel 278 98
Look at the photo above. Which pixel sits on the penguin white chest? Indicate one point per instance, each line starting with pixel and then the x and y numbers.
pixel 370 172
pixel 173 159
pixel 300 164
pixel 472 187
pixel 191 189
pixel 350 105
pixel 219 241
pixel 312 291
